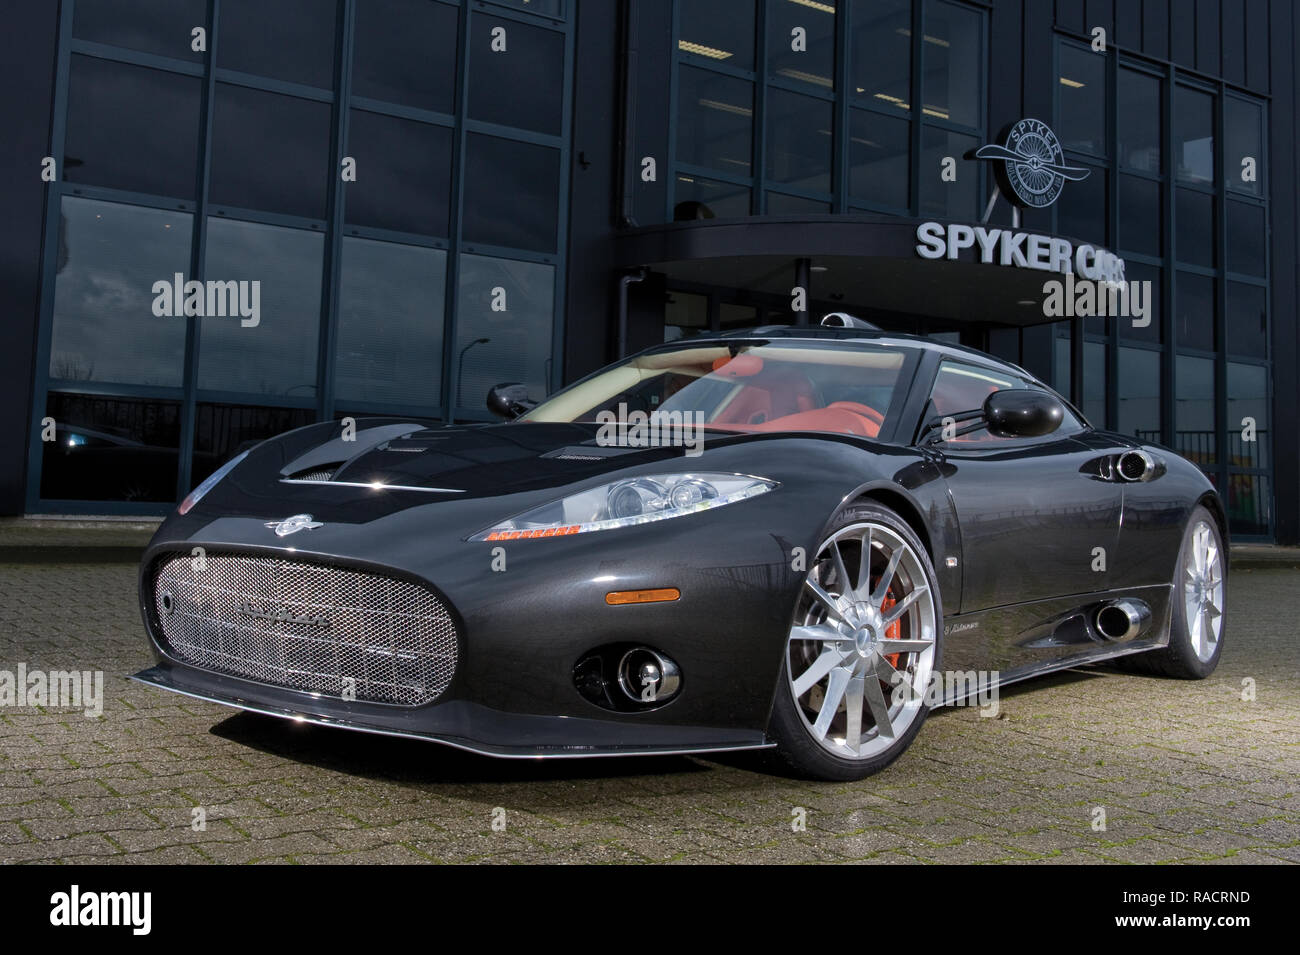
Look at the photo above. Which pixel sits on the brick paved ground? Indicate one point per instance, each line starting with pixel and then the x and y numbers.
pixel 1184 771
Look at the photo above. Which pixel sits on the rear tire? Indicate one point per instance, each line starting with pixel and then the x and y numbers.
pixel 1197 621
pixel 853 705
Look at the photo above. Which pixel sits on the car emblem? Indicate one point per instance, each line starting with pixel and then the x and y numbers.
pixel 292 525
pixel 1033 165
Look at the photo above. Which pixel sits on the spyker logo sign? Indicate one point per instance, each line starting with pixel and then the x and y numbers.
pixel 1033 170
pixel 278 613
pixel 292 525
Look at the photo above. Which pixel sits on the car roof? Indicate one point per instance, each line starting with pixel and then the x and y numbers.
pixel 876 336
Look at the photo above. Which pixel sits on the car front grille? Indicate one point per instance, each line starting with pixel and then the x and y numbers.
pixel 335 631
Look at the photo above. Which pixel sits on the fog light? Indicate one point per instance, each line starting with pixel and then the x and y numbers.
pixel 647 676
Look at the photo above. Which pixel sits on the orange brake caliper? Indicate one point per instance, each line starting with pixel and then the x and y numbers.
pixel 895 630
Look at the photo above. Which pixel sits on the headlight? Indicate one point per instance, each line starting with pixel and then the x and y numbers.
pixel 211 481
pixel 624 503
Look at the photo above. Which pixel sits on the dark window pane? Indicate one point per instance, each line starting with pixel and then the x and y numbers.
pixel 880 54
pixel 111 449
pixel 1141 215
pixel 779 204
pixel 1140 105
pixel 715 121
pixel 814 63
pixel 1082 91
pixel 270 152
pixel 550 8
pixel 132 128
pixel 1194 227
pixel 1247 320
pixel 953 200
pixel 221 431
pixel 519 339
pixel 1249 505
pixel 1152 292
pixel 1246 252
pixel 1082 208
pixel 521 86
pixel 290 40
pixel 390 323
pixel 954 63
pixel 1139 393
pixel 1194 407
pixel 798 140
pixel 152 26
pixel 684 315
pixel 1061 367
pixel 697 198
pixel 403 174
pixel 277 355
pixel 1193 135
pixel 1248 428
pixel 1194 318
pixel 1094 383
pixel 879 147
pixel 511 193
pixel 736 316
pixel 405 52
pixel 105 329
pixel 722 30
pixel 1242 131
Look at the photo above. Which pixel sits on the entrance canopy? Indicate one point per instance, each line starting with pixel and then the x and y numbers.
pixel 940 270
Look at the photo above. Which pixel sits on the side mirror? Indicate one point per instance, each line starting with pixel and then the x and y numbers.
pixel 1022 413
pixel 509 400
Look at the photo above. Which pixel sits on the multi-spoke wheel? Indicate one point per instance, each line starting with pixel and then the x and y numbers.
pixel 863 644
pixel 1196 620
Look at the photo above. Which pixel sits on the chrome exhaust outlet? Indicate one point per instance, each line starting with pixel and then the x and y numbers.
pixel 1122 619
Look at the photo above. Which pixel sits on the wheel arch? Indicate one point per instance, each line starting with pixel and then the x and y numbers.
pixel 904 507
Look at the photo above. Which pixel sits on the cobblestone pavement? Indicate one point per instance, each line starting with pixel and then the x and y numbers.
pixel 1184 771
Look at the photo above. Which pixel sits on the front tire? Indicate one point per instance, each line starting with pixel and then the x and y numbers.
pixel 864 641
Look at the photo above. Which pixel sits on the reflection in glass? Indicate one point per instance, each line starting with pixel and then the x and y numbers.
pixel 722 30
pixel 290 40
pixel 1082 92
pixel 699 198
pixel 1193 135
pixel 1194 315
pixel 1243 145
pixel 406 52
pixel 879 151
pixel 277 355
pixel 404 174
pixel 1139 394
pixel 954 63
pixel 1249 433
pixel 222 430
pixel 815 64
pixel 1194 410
pixel 511 193
pixel 522 86
pixel 518 346
pixel 1141 112
pixel 953 200
pixel 715 121
pixel 798 140
pixel 1249 505
pixel 151 26
pixel 111 449
pixel 132 128
pixel 1247 320
pixel 390 323
pixel 104 328
pixel 880 52
pixel 685 314
pixel 270 152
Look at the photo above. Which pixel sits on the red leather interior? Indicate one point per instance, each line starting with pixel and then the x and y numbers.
pixel 836 420
pixel 773 394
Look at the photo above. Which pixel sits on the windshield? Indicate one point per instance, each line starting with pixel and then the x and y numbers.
pixel 780 385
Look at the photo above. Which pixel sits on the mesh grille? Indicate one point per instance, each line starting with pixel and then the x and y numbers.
pixel 306 626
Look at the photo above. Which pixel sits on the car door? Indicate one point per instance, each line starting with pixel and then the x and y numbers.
pixel 1037 518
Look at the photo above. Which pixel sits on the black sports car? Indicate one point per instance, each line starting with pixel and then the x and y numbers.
pixel 789 538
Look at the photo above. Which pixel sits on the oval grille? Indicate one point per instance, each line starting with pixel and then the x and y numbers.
pixel 335 631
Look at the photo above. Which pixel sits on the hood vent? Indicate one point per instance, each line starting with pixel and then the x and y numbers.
pixel 317 474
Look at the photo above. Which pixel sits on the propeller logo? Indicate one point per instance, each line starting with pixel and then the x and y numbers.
pixel 1033 165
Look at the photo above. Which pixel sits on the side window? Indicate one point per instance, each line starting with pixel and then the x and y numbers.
pixel 961 387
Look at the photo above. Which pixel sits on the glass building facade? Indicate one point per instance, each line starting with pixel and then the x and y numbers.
pixel 389 206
